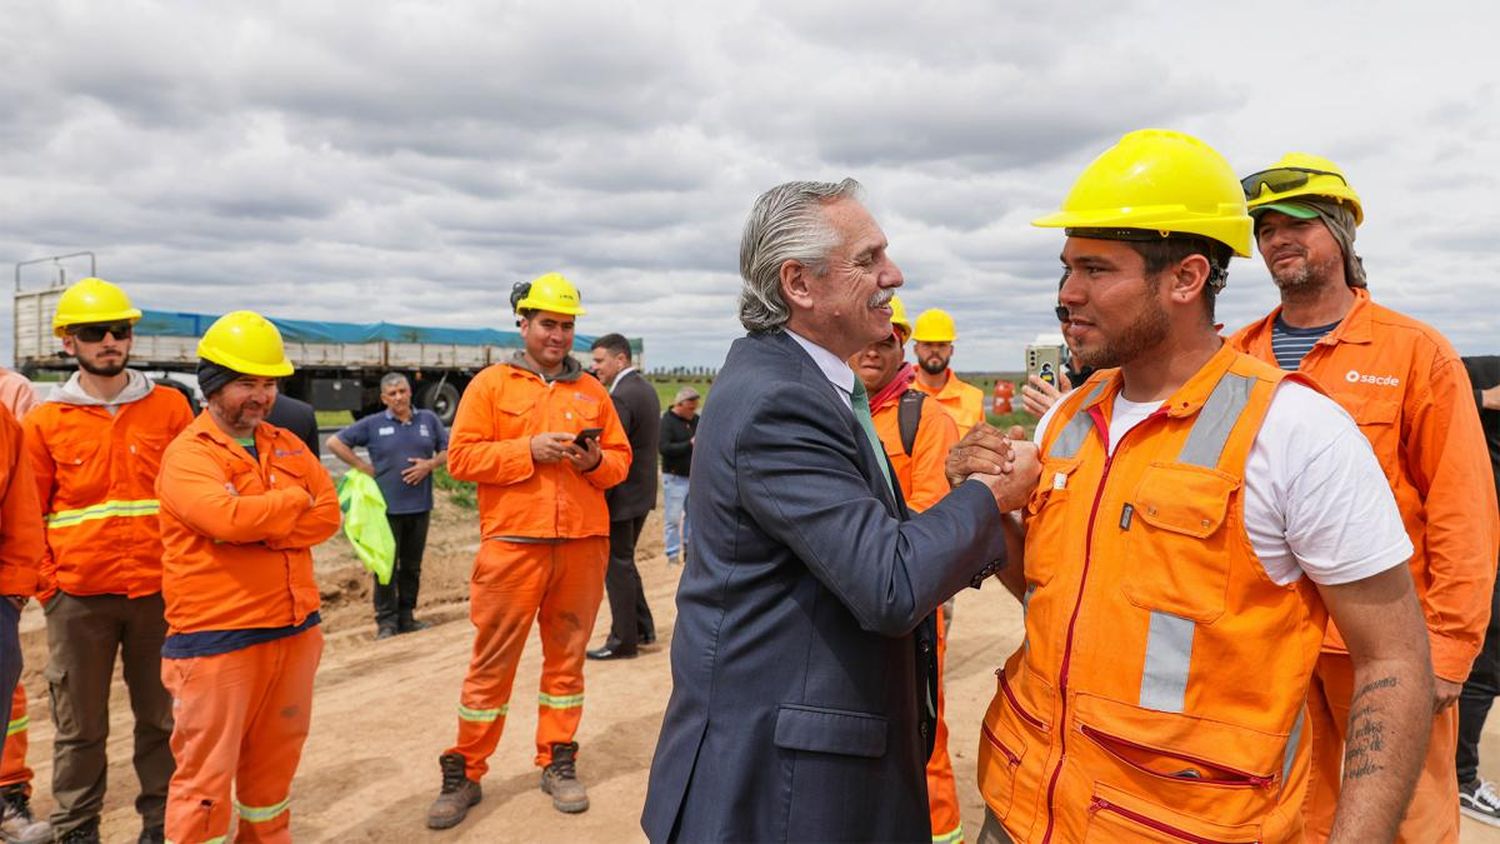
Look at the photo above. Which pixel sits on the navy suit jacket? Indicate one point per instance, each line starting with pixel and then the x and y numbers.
pixel 803 664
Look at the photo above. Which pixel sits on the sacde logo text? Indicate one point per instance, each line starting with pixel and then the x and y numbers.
pixel 1354 377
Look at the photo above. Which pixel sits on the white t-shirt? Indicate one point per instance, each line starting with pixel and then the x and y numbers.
pixel 1316 499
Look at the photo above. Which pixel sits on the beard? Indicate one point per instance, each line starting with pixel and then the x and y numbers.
pixel 105 370
pixel 1305 276
pixel 1147 332
pixel 934 364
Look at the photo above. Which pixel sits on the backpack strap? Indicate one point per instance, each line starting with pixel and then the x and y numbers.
pixel 908 417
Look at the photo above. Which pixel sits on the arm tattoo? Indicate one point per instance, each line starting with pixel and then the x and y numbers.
pixel 1366 739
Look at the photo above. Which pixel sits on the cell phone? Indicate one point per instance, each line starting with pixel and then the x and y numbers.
pixel 585 435
pixel 1044 360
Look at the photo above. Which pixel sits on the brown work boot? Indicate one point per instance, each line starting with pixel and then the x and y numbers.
pixel 561 780
pixel 458 794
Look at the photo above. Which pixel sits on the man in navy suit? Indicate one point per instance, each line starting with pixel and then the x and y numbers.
pixel 803 677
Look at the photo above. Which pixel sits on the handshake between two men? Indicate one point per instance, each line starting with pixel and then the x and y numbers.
pixel 1009 465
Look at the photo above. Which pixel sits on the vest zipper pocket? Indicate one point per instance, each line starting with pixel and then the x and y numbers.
pixel 1015 705
pixel 1099 804
pixel 1238 779
pixel 1009 755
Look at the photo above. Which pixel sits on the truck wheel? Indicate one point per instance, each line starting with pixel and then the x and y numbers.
pixel 440 398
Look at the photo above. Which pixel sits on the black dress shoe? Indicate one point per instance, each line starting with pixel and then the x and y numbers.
pixel 611 652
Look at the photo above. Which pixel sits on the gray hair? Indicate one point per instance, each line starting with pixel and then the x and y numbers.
pixel 685 394
pixel 786 224
pixel 391 379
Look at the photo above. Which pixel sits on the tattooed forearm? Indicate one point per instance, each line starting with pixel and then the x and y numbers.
pixel 1382 683
pixel 1366 741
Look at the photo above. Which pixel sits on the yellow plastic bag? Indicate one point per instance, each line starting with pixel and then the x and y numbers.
pixel 365 524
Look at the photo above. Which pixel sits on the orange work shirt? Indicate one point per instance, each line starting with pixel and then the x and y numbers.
pixel 22 539
pixel 964 402
pixel 1408 390
pixel 501 410
pixel 920 474
pixel 95 475
pixel 238 530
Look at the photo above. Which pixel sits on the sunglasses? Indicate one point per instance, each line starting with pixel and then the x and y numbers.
pixel 1282 179
pixel 95 333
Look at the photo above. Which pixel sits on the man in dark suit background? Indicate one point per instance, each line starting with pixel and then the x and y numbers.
pixel 296 416
pixel 639 408
pixel 803 676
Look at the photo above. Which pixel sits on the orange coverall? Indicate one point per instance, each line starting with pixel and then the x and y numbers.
pixel 238 533
pixel 545 544
pixel 923 483
pixel 1408 390
pixel 17 397
pixel 964 402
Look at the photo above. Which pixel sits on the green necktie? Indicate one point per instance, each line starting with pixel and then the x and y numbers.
pixel 859 401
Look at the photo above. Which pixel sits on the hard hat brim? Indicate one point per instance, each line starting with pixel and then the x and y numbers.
pixel 247 367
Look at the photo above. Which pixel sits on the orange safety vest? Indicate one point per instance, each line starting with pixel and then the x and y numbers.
pixel 22 541
pixel 95 472
pixel 501 410
pixel 238 530
pixel 964 402
pixel 1160 691
pixel 1409 392
pixel 920 474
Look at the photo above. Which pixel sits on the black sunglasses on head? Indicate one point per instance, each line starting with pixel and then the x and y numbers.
pixel 1282 179
pixel 95 333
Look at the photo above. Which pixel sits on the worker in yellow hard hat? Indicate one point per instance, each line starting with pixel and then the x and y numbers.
pixel 1408 389
pixel 1187 540
pixel 96 445
pixel 543 442
pixel 933 338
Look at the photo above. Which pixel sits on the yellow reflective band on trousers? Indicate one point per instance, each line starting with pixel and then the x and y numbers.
pixel 105 510
pixel 953 837
pixel 17 725
pixel 482 715
pixel 560 701
pixel 261 814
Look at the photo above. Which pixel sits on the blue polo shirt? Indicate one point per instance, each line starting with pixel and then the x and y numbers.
pixel 390 442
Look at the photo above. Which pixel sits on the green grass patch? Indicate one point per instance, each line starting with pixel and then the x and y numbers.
pixel 334 418
pixel 463 493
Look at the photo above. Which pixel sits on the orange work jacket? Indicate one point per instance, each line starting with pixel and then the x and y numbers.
pixel 964 402
pixel 1145 702
pixel 95 475
pixel 22 539
pixel 239 530
pixel 501 410
pixel 1408 390
pixel 920 474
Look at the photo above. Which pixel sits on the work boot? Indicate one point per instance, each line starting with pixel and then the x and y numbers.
pixel 16 822
pixel 86 834
pixel 385 631
pixel 407 623
pixel 560 780
pixel 153 835
pixel 458 794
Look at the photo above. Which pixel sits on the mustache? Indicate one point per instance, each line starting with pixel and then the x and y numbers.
pixel 882 298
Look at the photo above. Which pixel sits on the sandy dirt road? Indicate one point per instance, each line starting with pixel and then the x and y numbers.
pixel 383 712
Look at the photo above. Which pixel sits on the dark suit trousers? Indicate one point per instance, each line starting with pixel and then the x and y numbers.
pixel 397 600
pixel 630 617
pixel 1479 692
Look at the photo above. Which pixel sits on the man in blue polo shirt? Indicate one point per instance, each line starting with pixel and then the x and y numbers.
pixel 405 446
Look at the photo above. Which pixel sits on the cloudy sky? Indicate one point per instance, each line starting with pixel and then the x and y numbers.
pixel 408 162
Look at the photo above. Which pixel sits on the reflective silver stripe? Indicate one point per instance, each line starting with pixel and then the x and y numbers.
pixel 1169 652
pixel 1291 743
pixel 261 814
pixel 1071 438
pixel 1025 607
pixel 1215 420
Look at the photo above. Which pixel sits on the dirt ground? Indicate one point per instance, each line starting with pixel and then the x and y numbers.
pixel 384 710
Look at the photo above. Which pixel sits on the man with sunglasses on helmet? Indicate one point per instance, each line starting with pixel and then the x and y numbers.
pixel 95 447
pixel 1407 389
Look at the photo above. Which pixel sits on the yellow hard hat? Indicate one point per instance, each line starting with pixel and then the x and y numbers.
pixel 898 318
pixel 92 300
pixel 1300 174
pixel 247 343
pixel 550 292
pixel 934 326
pixel 1157 180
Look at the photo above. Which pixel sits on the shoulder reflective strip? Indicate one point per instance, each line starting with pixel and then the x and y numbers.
pixel 1071 438
pixel 1215 420
pixel 1291 744
pixel 106 510
pixel 261 814
pixel 560 701
pixel 953 837
pixel 468 714
pixel 17 725
pixel 1169 651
